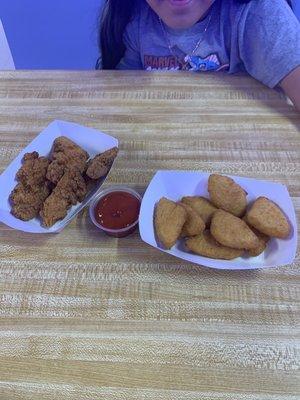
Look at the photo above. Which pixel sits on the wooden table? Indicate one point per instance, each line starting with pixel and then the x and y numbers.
pixel 85 316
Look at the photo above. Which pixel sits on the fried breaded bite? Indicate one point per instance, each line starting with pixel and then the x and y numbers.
pixel 100 165
pixel 34 169
pixel 263 241
pixel 28 196
pixel 226 194
pixel 268 218
pixel 205 245
pixel 65 155
pixel 169 219
pixel 70 190
pixel 232 232
pixel 202 206
pixel 194 224
pixel 27 201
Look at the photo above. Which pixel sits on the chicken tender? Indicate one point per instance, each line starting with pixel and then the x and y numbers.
pixel 194 224
pixel 28 196
pixel 54 209
pixel 100 165
pixel 232 232
pixel 202 206
pixel 70 190
pixel 267 218
pixel 27 201
pixel 34 169
pixel 226 194
pixel 65 155
pixel 169 219
pixel 205 245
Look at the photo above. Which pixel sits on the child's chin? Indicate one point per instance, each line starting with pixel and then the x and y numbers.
pixel 179 22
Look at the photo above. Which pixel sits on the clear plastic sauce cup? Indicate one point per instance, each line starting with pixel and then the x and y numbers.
pixel 116 210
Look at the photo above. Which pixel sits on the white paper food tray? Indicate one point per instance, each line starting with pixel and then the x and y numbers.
pixel 91 140
pixel 176 184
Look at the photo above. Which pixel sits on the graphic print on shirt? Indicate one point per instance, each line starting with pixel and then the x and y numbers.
pixel 181 61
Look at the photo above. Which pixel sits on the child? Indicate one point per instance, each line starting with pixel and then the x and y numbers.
pixel 261 37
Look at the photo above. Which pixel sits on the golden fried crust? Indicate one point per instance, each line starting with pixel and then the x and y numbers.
pixel 227 195
pixel 194 224
pixel 32 190
pixel 65 155
pixel 33 171
pixel 70 189
pixel 27 201
pixel 232 232
pixel 100 165
pixel 205 245
pixel 169 219
pixel 263 241
pixel 202 206
pixel 267 217
pixel 53 210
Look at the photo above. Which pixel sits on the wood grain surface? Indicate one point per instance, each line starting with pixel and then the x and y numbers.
pixel 85 316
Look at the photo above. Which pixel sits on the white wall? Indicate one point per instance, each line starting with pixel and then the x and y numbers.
pixel 6 60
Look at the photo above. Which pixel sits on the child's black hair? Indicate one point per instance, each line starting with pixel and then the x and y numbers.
pixel 116 15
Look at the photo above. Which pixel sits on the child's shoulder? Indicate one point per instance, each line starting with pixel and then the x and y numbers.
pixel 258 13
pixel 265 8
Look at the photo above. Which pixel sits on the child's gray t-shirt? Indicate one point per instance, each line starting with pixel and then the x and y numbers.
pixel 261 37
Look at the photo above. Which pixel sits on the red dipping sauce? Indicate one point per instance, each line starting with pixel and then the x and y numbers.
pixel 116 212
